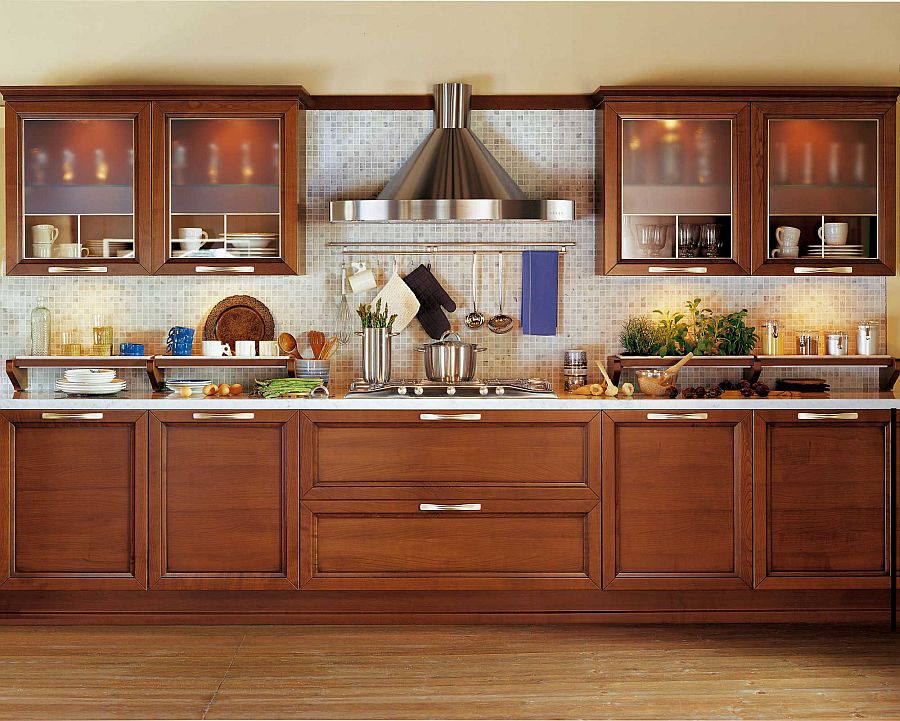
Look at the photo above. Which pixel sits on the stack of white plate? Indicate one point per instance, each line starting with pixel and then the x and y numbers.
pixel 90 382
pixel 196 385
pixel 250 245
pixel 98 247
pixel 833 251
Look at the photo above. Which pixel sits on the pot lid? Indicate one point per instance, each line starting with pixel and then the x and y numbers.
pixel 449 338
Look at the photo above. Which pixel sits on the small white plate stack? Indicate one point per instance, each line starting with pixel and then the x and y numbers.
pixel 90 382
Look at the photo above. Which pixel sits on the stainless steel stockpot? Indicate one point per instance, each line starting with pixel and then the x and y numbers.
pixel 449 360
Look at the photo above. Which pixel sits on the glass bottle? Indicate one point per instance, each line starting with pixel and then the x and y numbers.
pixel 40 329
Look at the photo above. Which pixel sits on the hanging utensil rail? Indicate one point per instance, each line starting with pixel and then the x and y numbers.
pixel 443 248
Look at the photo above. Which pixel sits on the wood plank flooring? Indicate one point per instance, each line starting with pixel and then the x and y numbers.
pixel 452 672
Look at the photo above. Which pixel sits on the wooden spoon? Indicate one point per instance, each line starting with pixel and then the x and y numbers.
pixel 316 343
pixel 611 390
pixel 288 345
pixel 672 371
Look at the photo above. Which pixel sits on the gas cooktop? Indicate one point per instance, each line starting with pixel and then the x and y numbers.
pixel 488 388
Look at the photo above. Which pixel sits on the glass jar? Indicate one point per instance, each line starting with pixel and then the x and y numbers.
pixel 40 329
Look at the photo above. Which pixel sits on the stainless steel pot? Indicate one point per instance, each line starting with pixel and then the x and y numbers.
pixel 449 360
pixel 376 353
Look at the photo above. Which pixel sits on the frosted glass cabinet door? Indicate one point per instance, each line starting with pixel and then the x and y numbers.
pixel 80 203
pixel 229 184
pixel 674 190
pixel 824 198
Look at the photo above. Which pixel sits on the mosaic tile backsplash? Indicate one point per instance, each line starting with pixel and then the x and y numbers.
pixel 352 155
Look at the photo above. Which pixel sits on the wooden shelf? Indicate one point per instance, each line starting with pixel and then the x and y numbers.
pixel 752 365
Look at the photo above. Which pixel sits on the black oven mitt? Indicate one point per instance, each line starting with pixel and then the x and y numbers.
pixel 432 298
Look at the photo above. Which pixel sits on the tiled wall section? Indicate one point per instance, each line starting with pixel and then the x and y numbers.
pixel 352 155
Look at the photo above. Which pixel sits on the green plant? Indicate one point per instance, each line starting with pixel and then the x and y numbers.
pixel 639 336
pixel 375 318
pixel 735 336
pixel 702 332
pixel 671 334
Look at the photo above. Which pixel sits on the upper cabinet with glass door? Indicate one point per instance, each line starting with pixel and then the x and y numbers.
pixel 226 187
pixel 673 176
pixel 77 186
pixel 824 186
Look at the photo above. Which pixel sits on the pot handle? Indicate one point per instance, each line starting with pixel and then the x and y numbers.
pixel 479 349
pixel 419 350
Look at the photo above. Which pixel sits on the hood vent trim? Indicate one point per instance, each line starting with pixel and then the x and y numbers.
pixel 451 177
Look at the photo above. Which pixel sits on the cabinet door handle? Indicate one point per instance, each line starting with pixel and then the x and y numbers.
pixel 828 416
pixel 77 269
pixel 449 416
pixel 695 269
pixel 224 269
pixel 449 506
pixel 810 270
pixel 224 416
pixel 677 416
pixel 72 416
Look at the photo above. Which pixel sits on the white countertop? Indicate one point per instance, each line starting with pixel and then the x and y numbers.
pixel 139 400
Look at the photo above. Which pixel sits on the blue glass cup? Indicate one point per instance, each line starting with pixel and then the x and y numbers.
pixel 180 341
pixel 131 349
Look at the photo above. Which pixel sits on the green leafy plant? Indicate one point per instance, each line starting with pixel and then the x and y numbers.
pixel 702 332
pixel 672 334
pixel 639 336
pixel 375 317
pixel 735 336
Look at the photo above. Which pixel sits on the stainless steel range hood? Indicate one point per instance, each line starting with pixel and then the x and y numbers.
pixel 451 177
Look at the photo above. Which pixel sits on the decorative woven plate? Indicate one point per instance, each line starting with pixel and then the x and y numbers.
pixel 239 317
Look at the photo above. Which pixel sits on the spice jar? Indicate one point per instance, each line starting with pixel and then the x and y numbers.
pixel 574 370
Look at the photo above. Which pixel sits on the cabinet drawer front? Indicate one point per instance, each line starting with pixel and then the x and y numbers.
pixel 676 493
pixel 76 513
pixel 479 545
pixel 488 448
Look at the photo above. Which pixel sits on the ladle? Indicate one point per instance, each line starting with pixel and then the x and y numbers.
pixel 500 323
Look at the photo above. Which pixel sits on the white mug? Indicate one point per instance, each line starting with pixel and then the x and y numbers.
pixel 788 251
pixel 268 349
pixel 192 234
pixel 214 348
pixel 71 250
pixel 787 236
pixel 44 233
pixel 245 348
pixel 42 250
pixel 834 233
pixel 362 279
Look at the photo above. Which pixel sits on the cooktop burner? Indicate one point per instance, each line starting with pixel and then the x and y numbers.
pixel 488 388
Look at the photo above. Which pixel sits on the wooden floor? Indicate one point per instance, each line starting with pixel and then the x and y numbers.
pixel 602 672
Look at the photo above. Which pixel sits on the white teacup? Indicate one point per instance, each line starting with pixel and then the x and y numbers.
pixel 44 233
pixel 787 251
pixel 787 236
pixel 192 234
pixel 42 250
pixel 214 348
pixel 245 348
pixel 268 349
pixel 834 233
pixel 71 250
pixel 362 279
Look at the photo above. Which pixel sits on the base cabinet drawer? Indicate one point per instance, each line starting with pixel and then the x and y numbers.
pixel 429 545
pixel 73 491
pixel 820 493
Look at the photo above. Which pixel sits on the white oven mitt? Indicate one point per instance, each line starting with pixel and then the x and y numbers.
pixel 400 300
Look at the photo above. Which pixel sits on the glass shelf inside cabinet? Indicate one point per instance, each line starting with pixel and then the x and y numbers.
pixel 78 188
pixel 823 189
pixel 225 188
pixel 676 189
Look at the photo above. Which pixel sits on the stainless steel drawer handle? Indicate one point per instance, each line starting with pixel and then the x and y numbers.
pixel 694 269
pixel 224 416
pixel 449 416
pixel 828 416
pixel 77 269
pixel 810 270
pixel 449 506
pixel 677 416
pixel 224 269
pixel 72 416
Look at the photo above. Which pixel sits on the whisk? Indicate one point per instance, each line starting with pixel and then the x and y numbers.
pixel 344 318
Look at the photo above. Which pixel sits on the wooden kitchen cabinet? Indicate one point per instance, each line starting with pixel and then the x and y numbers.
pixel 393 454
pixel 677 500
pixel 816 163
pixel 73 512
pixel 820 491
pixel 224 500
pixel 432 544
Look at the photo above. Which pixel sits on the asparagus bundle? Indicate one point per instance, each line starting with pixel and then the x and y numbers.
pixel 277 387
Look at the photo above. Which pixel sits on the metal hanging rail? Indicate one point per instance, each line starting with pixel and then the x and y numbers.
pixel 364 248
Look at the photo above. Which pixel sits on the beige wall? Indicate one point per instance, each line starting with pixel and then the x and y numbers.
pixel 502 47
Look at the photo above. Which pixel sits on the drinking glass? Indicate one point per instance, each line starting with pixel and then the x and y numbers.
pixel 688 240
pixel 711 239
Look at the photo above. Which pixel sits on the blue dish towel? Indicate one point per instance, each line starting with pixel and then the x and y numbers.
pixel 540 291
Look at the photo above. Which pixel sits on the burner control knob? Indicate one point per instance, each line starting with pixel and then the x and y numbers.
pixel 499 390
pixel 418 390
pixel 451 391
pixel 401 390
pixel 483 390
